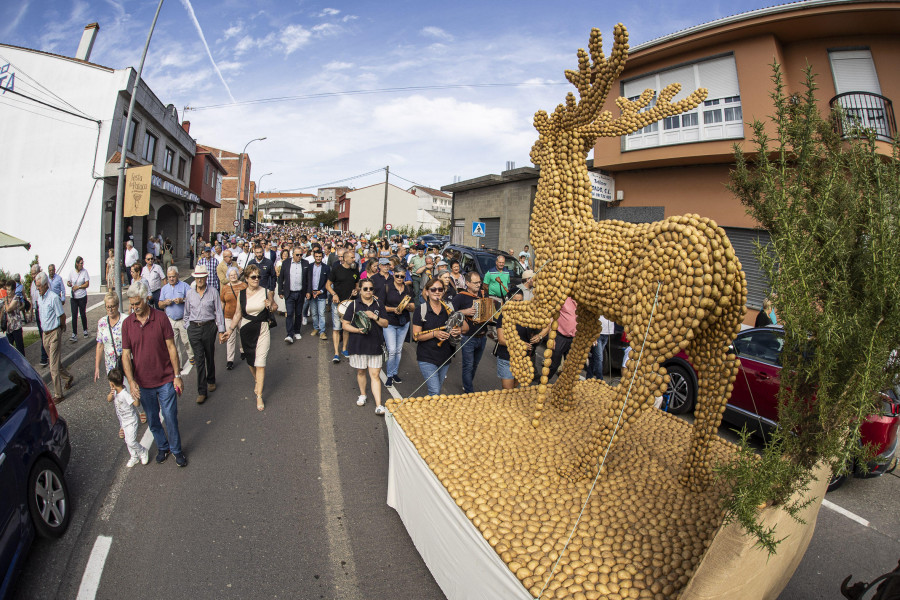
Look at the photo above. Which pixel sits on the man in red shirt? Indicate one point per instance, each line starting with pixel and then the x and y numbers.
pixel 151 365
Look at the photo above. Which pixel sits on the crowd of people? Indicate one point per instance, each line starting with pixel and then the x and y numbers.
pixel 375 295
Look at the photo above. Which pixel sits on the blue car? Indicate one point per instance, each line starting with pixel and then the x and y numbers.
pixel 34 452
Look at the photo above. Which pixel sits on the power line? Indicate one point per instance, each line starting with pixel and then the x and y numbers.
pixel 39 85
pixel 413 88
pixel 48 105
pixel 307 187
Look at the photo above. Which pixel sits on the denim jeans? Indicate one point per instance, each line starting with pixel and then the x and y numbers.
pixel 317 312
pixel 162 398
pixel 393 337
pixel 434 376
pixel 472 349
pixel 595 358
pixel 293 307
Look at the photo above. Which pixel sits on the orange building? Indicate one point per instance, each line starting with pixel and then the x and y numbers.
pixel 681 164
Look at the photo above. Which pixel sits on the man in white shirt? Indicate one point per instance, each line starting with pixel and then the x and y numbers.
pixel 132 256
pixel 218 253
pixel 79 281
pixel 155 277
pixel 243 258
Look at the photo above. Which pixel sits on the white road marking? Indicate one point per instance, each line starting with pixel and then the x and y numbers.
pixel 90 581
pixel 340 550
pixel 109 503
pixel 846 513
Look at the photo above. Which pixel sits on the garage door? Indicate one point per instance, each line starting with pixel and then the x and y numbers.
pixel 491 237
pixel 745 244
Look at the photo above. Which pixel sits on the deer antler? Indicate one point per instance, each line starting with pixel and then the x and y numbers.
pixel 633 119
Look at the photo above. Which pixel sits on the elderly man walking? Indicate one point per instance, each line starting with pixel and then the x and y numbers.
pixel 203 318
pixel 53 324
pixel 151 366
pixel 35 300
pixel 171 299
pixel 222 270
pixel 155 277
pixel 132 256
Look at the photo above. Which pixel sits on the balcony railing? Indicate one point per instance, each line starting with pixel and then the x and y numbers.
pixel 861 111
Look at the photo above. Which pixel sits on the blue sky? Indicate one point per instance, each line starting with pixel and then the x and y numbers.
pixel 276 48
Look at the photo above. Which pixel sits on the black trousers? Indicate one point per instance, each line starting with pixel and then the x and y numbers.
pixel 563 345
pixel 203 343
pixel 79 306
pixel 293 303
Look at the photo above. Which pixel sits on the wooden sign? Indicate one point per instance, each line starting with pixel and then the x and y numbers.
pixel 137 191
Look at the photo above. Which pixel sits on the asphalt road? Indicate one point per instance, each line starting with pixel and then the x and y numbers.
pixel 290 502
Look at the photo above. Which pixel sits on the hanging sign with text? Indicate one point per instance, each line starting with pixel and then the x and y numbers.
pixel 603 187
pixel 137 191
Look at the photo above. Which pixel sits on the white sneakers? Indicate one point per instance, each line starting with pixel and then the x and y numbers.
pixel 305 321
pixel 297 336
pixel 379 410
pixel 361 401
pixel 289 339
pixel 144 458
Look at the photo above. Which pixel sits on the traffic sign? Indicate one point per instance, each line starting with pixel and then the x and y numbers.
pixel 236 223
pixel 388 227
pixel 478 229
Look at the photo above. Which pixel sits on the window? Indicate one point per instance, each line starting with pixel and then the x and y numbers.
pixel 170 160
pixel 762 345
pixel 722 116
pixel 14 389
pixel 149 153
pixel 130 143
pixel 859 92
pixel 206 176
pixel 181 166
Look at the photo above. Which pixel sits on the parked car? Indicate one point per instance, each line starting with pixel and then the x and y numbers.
pixel 754 400
pixel 475 259
pixel 433 239
pixel 34 453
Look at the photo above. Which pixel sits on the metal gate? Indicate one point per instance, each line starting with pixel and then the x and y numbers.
pixel 745 242
pixel 459 231
pixel 491 237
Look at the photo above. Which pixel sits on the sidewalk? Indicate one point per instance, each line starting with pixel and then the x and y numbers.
pixel 96 310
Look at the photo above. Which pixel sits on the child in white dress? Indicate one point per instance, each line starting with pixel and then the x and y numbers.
pixel 128 418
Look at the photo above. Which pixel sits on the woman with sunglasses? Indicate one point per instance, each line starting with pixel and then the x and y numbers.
pixel 450 290
pixel 365 348
pixel 398 322
pixel 252 316
pixel 229 297
pixel 428 322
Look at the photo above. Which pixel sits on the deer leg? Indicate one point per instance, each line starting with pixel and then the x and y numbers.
pixel 716 370
pixel 630 402
pixel 588 329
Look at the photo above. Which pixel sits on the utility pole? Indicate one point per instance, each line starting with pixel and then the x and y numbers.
pixel 120 186
pixel 387 173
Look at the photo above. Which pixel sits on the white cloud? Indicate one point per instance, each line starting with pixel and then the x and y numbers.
pixel 228 66
pixel 293 37
pixel 436 32
pixel 325 29
pixel 233 31
pixel 14 23
pixel 337 65
pixel 329 12
pixel 348 18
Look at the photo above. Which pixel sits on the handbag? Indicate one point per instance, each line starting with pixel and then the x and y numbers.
pixel 384 353
pixel 118 356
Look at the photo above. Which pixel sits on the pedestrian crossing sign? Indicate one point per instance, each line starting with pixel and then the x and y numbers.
pixel 477 229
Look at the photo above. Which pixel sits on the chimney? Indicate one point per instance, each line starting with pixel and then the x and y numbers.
pixel 186 125
pixel 87 42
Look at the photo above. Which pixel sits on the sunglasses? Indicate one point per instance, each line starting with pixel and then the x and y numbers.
pixel 398 276
pixel 436 289
pixel 367 289
pixel 253 277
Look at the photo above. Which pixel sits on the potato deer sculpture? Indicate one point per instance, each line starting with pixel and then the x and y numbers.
pixel 675 282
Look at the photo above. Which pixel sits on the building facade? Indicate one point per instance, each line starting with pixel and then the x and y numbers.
pixel 235 195
pixel 362 210
pixel 681 164
pixel 328 196
pixel 206 181
pixel 438 204
pixel 61 171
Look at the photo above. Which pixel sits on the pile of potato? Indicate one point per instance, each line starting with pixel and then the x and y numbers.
pixel 642 534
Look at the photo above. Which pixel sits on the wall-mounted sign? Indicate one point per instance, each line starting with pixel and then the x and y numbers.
pixel 173 189
pixel 603 187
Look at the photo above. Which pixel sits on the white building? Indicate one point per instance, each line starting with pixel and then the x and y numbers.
pixel 62 121
pixel 362 210
pixel 329 195
pixel 438 204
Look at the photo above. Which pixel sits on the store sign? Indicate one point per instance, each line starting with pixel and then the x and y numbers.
pixel 175 190
pixel 137 191
pixel 603 187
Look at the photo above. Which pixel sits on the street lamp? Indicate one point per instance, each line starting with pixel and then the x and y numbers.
pixel 237 208
pixel 256 210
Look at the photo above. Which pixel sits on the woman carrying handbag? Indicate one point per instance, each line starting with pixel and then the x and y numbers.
pixel 252 316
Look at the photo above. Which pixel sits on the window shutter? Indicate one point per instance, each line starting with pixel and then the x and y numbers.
pixel 719 76
pixel 684 76
pixel 636 87
pixel 854 71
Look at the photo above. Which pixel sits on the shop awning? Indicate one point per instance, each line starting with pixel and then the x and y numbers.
pixel 8 241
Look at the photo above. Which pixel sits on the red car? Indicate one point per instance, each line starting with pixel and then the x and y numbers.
pixel 754 401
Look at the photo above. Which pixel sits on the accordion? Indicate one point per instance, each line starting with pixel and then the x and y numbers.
pixel 484 310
